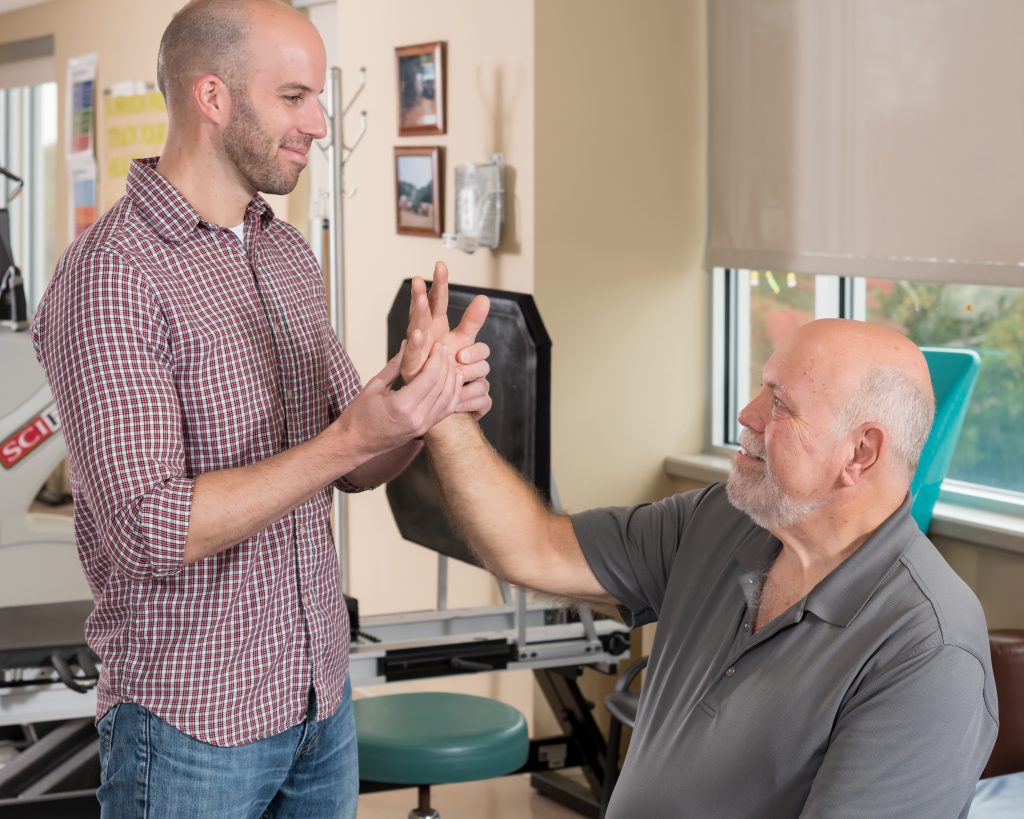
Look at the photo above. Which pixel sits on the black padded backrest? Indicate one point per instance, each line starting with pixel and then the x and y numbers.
pixel 518 425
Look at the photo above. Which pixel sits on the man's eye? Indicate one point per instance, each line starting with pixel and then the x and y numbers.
pixel 777 402
pixel 293 98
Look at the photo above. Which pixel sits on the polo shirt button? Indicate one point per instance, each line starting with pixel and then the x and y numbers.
pixel 729 672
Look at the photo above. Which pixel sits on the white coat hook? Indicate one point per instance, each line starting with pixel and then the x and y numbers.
pixel 348 149
pixel 359 90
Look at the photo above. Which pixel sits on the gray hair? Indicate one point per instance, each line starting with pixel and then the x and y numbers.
pixel 204 37
pixel 891 398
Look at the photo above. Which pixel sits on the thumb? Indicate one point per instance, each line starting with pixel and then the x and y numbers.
pixel 473 319
pixel 389 375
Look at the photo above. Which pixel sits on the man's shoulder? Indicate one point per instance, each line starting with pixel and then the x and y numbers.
pixel 946 600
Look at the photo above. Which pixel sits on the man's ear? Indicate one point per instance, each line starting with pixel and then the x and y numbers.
pixel 867 449
pixel 212 99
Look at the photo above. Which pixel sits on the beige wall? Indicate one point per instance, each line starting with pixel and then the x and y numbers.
pixel 490 109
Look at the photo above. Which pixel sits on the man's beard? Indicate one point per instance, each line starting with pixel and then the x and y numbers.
pixel 761 496
pixel 254 153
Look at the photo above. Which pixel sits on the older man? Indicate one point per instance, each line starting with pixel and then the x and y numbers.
pixel 208 408
pixel 815 656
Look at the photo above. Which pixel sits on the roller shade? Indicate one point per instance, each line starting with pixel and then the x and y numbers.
pixel 879 138
pixel 26 62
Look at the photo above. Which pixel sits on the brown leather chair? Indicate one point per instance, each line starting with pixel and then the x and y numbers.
pixel 1007 647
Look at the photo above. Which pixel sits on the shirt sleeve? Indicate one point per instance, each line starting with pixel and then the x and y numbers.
pixel 104 345
pixel 343 385
pixel 912 741
pixel 631 550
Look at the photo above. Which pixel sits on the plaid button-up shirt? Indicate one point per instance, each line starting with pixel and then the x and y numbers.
pixel 172 350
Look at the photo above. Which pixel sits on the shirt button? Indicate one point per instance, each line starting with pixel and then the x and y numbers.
pixel 277 327
pixel 746 626
pixel 729 672
pixel 288 394
pixel 305 601
pixel 302 530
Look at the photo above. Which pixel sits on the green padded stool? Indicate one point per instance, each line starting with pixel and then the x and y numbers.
pixel 426 739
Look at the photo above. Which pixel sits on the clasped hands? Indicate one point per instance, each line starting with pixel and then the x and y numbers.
pixel 443 370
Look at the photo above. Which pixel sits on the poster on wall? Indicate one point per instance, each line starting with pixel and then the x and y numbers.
pixel 82 173
pixel 81 104
pixel 133 125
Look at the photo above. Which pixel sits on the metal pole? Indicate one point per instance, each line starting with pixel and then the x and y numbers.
pixel 336 277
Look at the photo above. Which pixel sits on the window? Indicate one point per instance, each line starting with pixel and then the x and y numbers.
pixel 757 309
pixel 28 148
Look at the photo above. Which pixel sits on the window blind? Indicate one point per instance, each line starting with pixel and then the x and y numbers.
pixel 880 138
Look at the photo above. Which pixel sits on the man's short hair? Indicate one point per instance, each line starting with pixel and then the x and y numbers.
pixel 890 397
pixel 204 37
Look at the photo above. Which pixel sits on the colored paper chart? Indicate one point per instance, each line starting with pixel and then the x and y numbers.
pixel 81 104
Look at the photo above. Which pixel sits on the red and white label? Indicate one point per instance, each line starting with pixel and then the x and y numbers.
pixel 22 442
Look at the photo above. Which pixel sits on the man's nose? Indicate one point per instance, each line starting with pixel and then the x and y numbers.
pixel 316 124
pixel 751 416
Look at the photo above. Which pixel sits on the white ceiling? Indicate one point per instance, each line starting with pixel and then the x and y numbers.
pixel 14 5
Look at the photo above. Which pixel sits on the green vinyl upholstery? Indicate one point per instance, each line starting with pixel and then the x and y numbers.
pixel 953 373
pixel 438 738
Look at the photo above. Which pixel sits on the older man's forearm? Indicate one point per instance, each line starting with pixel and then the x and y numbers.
pixel 502 517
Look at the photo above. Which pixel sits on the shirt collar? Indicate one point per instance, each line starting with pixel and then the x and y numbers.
pixel 844 592
pixel 170 213
pixel 839 598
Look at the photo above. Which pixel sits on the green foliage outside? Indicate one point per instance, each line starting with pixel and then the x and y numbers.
pixel 989 320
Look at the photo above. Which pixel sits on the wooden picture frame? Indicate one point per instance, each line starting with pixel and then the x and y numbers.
pixel 421 89
pixel 419 208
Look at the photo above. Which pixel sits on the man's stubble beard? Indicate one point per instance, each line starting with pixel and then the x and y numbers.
pixel 253 152
pixel 762 498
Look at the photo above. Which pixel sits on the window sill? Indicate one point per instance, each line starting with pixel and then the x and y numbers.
pixel 983 527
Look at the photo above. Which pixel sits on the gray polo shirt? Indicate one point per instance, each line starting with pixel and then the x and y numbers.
pixel 871 697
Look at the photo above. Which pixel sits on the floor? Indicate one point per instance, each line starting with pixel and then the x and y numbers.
pixel 510 797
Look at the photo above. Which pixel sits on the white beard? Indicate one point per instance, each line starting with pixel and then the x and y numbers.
pixel 760 495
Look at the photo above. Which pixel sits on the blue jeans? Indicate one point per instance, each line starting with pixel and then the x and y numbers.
pixel 149 770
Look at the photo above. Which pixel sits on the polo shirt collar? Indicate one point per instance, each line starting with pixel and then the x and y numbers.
pixel 844 592
pixel 170 213
pixel 839 598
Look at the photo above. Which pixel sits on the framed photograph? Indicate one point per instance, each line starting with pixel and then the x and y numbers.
pixel 419 208
pixel 421 89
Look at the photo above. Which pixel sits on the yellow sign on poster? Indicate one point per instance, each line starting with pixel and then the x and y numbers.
pixel 134 125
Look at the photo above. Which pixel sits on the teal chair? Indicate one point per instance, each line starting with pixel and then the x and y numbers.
pixel 953 375
pixel 424 739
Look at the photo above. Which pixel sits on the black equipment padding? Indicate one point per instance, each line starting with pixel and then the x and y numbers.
pixel 518 425
pixel 442 660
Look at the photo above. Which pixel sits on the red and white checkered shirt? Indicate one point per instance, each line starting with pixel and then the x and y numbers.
pixel 173 351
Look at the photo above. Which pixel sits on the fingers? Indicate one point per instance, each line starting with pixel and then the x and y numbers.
pixel 473 372
pixel 425 385
pixel 474 352
pixel 439 292
pixel 473 319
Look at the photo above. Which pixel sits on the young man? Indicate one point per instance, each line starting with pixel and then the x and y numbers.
pixel 815 656
pixel 208 409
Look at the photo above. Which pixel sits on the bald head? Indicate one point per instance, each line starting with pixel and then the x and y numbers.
pixel 870 373
pixel 214 37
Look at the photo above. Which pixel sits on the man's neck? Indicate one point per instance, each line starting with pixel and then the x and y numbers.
pixel 816 545
pixel 214 190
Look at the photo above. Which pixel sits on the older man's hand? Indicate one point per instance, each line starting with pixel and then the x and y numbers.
pixel 428 325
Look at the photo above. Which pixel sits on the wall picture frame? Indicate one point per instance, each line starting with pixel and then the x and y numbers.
pixel 419 208
pixel 421 89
